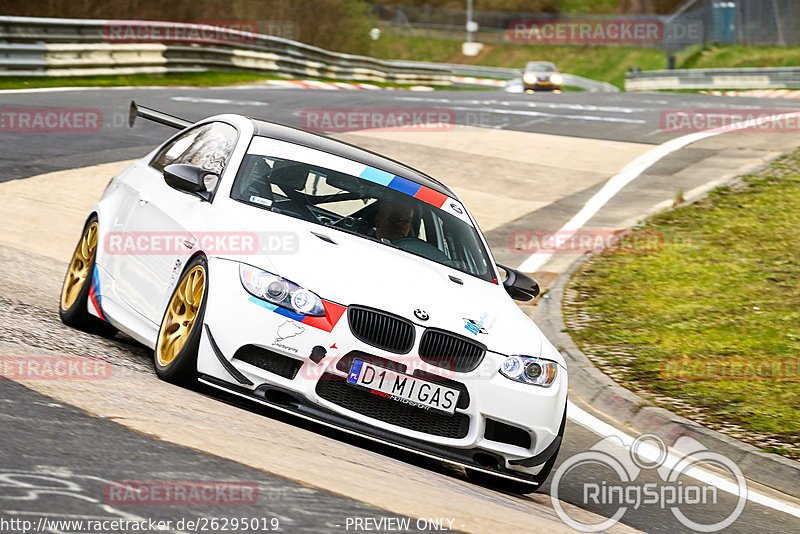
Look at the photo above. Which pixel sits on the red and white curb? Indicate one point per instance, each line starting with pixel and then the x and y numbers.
pixel 469 80
pixel 759 93
pixel 332 86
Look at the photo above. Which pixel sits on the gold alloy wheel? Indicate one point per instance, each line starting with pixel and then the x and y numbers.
pixel 181 313
pixel 79 267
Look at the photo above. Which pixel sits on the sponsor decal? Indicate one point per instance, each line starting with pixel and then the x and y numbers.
pixel 476 327
pixel 288 330
pixel 259 200
pixel 413 189
pixel 94 295
pixel 333 312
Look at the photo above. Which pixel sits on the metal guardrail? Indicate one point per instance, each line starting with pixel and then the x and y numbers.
pixel 499 73
pixel 743 78
pixel 75 47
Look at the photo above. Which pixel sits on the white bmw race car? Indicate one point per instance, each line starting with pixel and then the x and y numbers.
pixel 326 281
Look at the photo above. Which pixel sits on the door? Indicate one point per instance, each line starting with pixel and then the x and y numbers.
pixel 166 222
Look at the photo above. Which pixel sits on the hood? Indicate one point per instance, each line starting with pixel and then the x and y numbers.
pixel 348 269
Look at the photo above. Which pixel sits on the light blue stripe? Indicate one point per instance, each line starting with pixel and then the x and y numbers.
pixel 262 303
pixel 277 309
pixel 376 175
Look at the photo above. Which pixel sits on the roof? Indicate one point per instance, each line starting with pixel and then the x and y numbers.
pixel 346 150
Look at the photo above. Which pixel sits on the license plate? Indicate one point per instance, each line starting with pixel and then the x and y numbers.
pixel 403 388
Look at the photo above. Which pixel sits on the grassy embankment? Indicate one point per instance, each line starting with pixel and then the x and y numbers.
pixel 710 325
pixel 604 63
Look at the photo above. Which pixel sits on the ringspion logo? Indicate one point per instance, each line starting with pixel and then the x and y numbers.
pixel 676 484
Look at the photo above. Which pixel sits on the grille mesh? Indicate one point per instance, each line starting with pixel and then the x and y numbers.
pixel 269 361
pixel 380 329
pixel 336 390
pixel 450 351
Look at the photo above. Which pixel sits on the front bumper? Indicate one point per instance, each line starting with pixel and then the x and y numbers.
pixel 541 86
pixel 315 389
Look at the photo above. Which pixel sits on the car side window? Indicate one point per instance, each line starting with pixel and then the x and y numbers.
pixel 208 146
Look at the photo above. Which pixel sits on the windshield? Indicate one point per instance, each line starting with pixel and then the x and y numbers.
pixel 364 206
pixel 540 67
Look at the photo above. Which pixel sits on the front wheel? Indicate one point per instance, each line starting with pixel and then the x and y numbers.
pixel 178 342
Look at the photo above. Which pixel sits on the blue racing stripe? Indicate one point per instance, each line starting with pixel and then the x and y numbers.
pixel 277 309
pixel 405 186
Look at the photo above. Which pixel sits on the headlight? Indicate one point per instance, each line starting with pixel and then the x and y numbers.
pixel 557 79
pixel 529 370
pixel 280 292
pixel 529 78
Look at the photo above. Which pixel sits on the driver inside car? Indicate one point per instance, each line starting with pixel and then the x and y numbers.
pixel 394 219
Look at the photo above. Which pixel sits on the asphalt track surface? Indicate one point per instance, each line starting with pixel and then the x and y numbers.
pixel 41 436
pixel 610 116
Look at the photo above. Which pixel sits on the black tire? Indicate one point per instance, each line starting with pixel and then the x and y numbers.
pixel 182 368
pixel 73 310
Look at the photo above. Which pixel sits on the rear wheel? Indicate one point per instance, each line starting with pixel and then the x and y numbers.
pixel 77 285
pixel 175 358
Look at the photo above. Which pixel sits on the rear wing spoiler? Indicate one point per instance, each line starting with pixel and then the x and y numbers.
pixel 155 116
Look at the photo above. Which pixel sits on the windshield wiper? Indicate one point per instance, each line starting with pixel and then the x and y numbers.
pixel 359 234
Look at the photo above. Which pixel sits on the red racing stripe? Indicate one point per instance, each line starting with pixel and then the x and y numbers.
pixel 333 312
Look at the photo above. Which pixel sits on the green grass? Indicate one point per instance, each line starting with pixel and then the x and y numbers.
pixel 739 56
pixel 595 7
pixel 604 63
pixel 199 79
pixel 725 288
pixel 211 78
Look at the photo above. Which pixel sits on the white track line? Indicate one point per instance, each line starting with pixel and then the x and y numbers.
pixel 629 173
pixel 98 88
pixel 594 424
pixel 632 171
